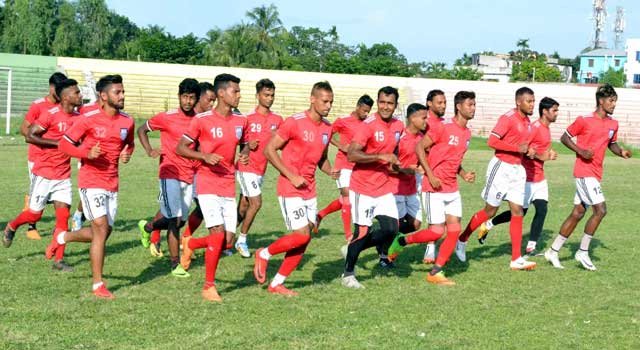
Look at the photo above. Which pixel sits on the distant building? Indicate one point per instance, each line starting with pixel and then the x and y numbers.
pixel 493 68
pixel 595 62
pixel 632 65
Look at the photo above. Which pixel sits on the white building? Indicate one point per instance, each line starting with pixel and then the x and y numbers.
pixel 632 66
pixel 493 68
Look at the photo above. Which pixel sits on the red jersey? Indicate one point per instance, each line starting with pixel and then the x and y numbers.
pixel 345 126
pixel 433 121
pixel 261 127
pixel 113 133
pixel 52 163
pixel 172 125
pixel 307 141
pixel 594 133
pixel 450 144
pixel 377 137
pixel 220 135
pixel 540 140
pixel 88 107
pixel 403 184
pixel 37 108
pixel 512 128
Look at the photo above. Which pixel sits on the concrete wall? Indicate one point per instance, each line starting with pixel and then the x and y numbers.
pixel 632 66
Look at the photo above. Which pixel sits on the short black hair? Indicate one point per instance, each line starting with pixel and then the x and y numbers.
pixel 222 80
pixel 432 94
pixel 204 87
pixel 365 100
pixel 547 103
pixel 64 84
pixel 460 97
pixel 605 91
pixel 264 84
pixel 189 86
pixel 321 85
pixel 105 82
pixel 523 91
pixel 389 90
pixel 415 107
pixel 56 78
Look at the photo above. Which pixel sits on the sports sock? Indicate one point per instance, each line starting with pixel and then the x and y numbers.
pixel 435 270
pixel 292 260
pixel 476 220
pixel 264 254
pixel 198 243
pixel 24 217
pixel 242 238
pixel 332 207
pixel 448 244
pixel 277 279
pixel 431 234
pixel 586 240
pixel 531 245
pixel 346 220
pixel 558 242
pixel 215 242
pixel 489 224
pixel 155 236
pixel 501 218
pixel 288 242
pixel 195 219
pixel 62 224
pixel 98 285
pixel 515 231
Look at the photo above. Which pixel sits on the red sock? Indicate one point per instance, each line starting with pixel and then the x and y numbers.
pixel 212 256
pixel 332 207
pixel 62 224
pixel 25 217
pixel 346 217
pixel 515 230
pixel 193 223
pixel 155 236
pixel 476 220
pixel 198 243
pixel 288 242
pixel 433 233
pixel 291 260
pixel 448 245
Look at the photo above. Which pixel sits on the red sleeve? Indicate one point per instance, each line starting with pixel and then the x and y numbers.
pixel 33 113
pixel 76 132
pixel 362 136
pixel 501 127
pixel 43 121
pixel 286 129
pixel 129 141
pixel 435 134
pixel 157 122
pixel 576 127
pixel 245 131
pixel 70 143
pixel 500 145
pixel 336 127
pixel 193 132
pixel 614 138
pixel 278 121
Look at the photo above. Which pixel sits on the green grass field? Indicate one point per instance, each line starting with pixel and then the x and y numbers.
pixel 490 308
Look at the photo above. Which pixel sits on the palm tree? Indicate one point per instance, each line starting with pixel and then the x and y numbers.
pixel 523 44
pixel 266 20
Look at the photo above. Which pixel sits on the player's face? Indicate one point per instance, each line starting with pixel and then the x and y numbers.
pixel 467 109
pixel 72 95
pixel 187 101
pixel 438 105
pixel 52 92
pixel 362 111
pixel 206 100
pixel 266 97
pixel 551 114
pixel 321 102
pixel 230 94
pixel 419 119
pixel 609 104
pixel 114 96
pixel 386 105
pixel 526 103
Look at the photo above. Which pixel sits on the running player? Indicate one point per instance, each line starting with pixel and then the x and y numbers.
pixel 345 127
pixel 52 169
pixel 38 107
pixel 536 189
pixel 594 133
pixel 263 123
pixel 176 173
pixel 372 149
pixel 102 138
pixel 437 105
pixel 506 176
pixel 441 196
pixel 303 140
pixel 218 133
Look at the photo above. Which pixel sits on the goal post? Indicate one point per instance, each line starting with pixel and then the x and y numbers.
pixel 9 90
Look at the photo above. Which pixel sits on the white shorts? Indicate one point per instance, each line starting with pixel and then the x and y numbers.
pixel 439 205
pixel 409 205
pixel 345 178
pixel 588 191
pixel 44 190
pixel 298 212
pixel 29 168
pixel 175 198
pixel 97 202
pixel 534 191
pixel 504 182
pixel 218 210
pixel 250 183
pixel 365 208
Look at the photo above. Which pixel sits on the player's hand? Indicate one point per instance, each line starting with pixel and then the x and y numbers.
pixel 298 181
pixel 125 156
pixel 553 155
pixel 586 154
pixel 154 153
pixel 344 148
pixel 253 144
pixel 626 154
pixel 435 182
pixel 389 158
pixel 212 158
pixel 469 177
pixel 243 159
pixel 335 174
pixel 523 148
pixel 95 151
pixel 531 152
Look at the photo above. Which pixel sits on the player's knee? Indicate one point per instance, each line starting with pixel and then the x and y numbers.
pixel 438 229
pixel 578 213
pixel 600 210
pixel 454 229
pixel 541 207
pixel 388 225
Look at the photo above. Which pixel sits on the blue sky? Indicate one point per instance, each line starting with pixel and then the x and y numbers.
pixel 422 30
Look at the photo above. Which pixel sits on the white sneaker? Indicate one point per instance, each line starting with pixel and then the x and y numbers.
pixel 583 258
pixel 243 249
pixel 351 282
pixel 461 251
pixel 343 251
pixel 522 264
pixel 552 256
pixel 430 254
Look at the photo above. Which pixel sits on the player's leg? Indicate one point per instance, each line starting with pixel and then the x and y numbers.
pixel 436 275
pixel 345 213
pixel 32 230
pixel 243 205
pixel 251 187
pixel 537 224
pixel 214 245
pixel 194 220
pixel 341 203
pixel 61 195
pixel 39 195
pixel 435 216
pixel 515 232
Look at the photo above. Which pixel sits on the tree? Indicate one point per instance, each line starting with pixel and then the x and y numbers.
pixel 465 60
pixel 236 47
pixel 28 26
pixel 67 34
pixel 617 78
pixel 535 70
pixel 96 33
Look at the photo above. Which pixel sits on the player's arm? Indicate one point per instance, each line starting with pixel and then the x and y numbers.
pixel 271 153
pixel 426 143
pixel 566 140
pixel 34 136
pixel 356 154
pixel 24 128
pixel 243 155
pixel 324 164
pixel 496 142
pixel 143 131
pixel 619 151
pixel 75 149
pixel 183 149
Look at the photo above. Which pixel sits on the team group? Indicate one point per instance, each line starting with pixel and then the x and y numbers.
pixel 382 167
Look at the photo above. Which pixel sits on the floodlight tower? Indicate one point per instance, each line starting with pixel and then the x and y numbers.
pixel 600 18
pixel 619 27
